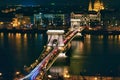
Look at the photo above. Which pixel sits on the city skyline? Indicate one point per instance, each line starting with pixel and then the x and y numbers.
pixel 107 3
pixel 59 39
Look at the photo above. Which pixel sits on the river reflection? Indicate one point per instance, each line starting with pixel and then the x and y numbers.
pixel 17 50
pixel 95 55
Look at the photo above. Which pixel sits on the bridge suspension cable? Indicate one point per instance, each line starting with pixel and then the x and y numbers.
pixel 49 58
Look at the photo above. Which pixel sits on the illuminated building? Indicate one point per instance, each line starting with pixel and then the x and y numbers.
pixel 84 19
pixel 46 20
pixel 90 8
pixel 1 24
pixel 96 6
pixel 21 21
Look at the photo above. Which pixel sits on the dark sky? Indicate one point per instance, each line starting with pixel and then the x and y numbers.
pixel 108 3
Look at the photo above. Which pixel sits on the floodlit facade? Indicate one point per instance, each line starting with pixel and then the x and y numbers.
pixel 81 19
pixel 21 21
pixel 45 20
pixel 96 6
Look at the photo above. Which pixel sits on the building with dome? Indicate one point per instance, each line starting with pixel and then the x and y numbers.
pixel 97 5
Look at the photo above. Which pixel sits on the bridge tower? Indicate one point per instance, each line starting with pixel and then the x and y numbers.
pixel 55 38
pixel 78 21
pixel 75 24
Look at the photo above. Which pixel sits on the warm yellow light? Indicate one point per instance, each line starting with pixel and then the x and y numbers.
pixel 66 76
pixel 25 36
pixel 18 35
pixel 98 5
pixel 1 34
pixel 66 73
pixel 1 23
pixel 17 73
pixel 119 37
pixel 90 28
pixel 41 73
pixel 88 36
pixel 95 78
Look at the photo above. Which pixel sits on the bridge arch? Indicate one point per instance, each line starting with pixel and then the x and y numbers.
pixel 55 36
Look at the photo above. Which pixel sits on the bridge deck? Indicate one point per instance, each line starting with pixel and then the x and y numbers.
pixel 50 55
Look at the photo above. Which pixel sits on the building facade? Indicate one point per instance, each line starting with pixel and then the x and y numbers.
pixel 20 21
pixel 97 5
pixel 45 20
pixel 85 19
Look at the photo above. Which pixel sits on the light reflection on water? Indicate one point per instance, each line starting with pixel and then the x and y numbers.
pixel 96 55
pixel 17 50
pixel 93 55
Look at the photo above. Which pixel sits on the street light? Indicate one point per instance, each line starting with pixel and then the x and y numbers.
pixel 0 74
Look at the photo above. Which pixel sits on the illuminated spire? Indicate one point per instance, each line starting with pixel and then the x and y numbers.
pixel 97 5
pixel 90 6
pixel 102 6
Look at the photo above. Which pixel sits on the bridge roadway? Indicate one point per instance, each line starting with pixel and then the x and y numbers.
pixel 43 66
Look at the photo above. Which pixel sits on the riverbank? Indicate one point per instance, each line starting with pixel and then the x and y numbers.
pixel 41 30
pixel 93 32
pixel 22 30
pixel 101 32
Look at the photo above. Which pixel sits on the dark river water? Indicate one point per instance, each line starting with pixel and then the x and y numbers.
pixel 95 55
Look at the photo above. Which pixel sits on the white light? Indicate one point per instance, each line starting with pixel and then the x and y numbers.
pixel 55 31
pixel 0 74
pixel 62 55
pixel 75 20
pixel 49 76
pixel 40 13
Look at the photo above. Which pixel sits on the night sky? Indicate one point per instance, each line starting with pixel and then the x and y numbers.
pixel 108 3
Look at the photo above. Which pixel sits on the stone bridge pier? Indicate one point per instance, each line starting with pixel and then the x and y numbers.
pixel 55 38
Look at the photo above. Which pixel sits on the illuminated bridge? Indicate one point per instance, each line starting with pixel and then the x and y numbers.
pixel 57 43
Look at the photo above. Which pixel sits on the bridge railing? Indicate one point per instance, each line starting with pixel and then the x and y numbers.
pixel 50 56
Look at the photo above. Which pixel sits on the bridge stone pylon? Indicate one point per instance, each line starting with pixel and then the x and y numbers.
pixel 75 24
pixel 55 38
